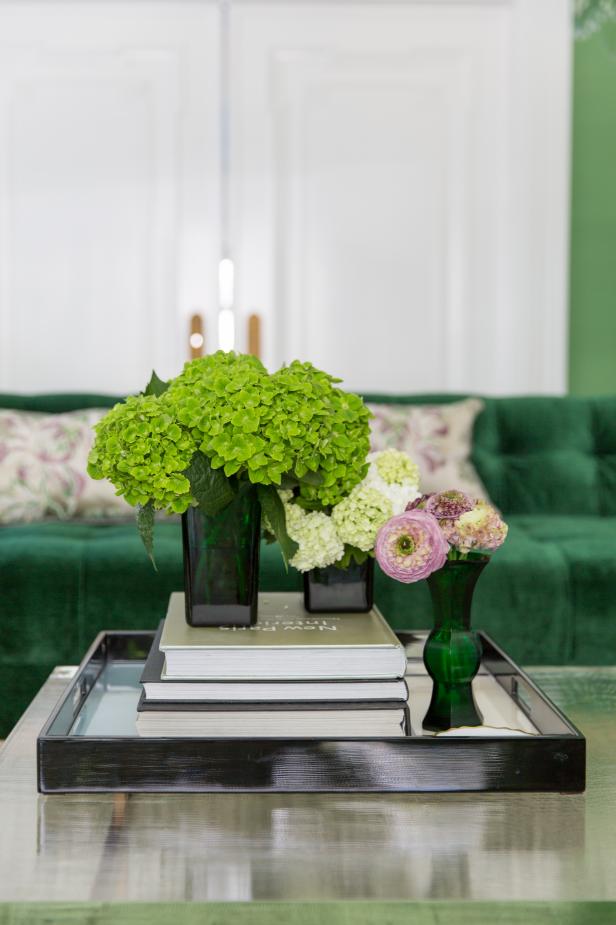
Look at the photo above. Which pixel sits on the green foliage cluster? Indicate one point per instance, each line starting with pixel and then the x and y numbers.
pixel 225 421
pixel 326 432
pixel 142 450
pixel 293 427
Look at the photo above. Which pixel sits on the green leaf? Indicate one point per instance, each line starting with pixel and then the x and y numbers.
pixel 273 509
pixel 210 488
pixel 155 386
pixel 277 451
pixel 352 554
pixel 274 474
pixel 145 525
pixel 232 466
pixel 311 478
pixel 309 504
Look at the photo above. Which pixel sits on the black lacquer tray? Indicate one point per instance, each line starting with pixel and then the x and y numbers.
pixel 90 742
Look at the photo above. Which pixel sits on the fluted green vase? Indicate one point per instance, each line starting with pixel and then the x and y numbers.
pixel 452 653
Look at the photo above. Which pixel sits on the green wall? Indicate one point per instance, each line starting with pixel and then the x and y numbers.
pixel 592 364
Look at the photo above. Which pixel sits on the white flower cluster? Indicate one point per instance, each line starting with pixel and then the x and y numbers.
pixel 395 476
pixel 391 483
pixel 315 534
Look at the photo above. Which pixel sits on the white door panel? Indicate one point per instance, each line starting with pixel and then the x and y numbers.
pixel 399 184
pixel 108 190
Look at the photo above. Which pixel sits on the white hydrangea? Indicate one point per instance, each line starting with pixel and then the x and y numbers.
pixel 360 516
pixel 398 495
pixel 391 483
pixel 394 475
pixel 316 536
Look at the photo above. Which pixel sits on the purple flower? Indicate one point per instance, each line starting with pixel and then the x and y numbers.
pixel 410 546
pixel 419 502
pixel 449 505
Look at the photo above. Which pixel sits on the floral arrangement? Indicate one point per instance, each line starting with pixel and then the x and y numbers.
pixel 225 424
pixel 448 525
pixel 346 531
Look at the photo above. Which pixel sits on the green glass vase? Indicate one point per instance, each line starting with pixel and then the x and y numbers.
pixel 452 653
pixel 221 562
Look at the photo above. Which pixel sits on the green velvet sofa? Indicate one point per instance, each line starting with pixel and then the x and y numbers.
pixel 549 595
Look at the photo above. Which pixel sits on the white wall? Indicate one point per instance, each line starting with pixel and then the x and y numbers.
pixel 397 179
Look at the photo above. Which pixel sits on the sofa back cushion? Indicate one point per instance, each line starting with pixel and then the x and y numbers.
pixel 43 468
pixel 439 438
pixel 544 455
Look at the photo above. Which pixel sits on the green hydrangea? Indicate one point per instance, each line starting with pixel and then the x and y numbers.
pixel 360 516
pixel 292 424
pixel 326 431
pixel 226 420
pixel 142 450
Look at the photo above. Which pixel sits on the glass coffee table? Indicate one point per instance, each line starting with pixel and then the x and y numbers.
pixel 464 857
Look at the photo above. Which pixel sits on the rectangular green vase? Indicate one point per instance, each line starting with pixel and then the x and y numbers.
pixel 340 590
pixel 221 563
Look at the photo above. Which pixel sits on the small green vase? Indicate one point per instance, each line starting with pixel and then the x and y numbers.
pixel 340 590
pixel 452 653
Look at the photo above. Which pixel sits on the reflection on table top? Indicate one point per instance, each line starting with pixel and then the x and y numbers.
pixel 106 847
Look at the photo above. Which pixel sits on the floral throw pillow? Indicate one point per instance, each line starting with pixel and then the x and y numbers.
pixel 438 437
pixel 43 468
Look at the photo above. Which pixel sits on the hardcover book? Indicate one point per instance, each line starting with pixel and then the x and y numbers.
pixel 159 689
pixel 273 719
pixel 286 643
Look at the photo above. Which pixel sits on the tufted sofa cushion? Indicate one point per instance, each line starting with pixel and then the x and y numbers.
pixel 549 455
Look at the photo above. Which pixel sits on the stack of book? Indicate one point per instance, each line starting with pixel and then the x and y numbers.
pixel 291 674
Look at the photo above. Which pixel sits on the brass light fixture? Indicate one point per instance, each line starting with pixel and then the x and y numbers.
pixel 196 337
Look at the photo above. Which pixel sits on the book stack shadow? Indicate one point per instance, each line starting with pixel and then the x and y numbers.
pixel 292 674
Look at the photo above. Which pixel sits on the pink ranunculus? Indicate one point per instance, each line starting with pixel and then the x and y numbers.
pixel 449 529
pixel 449 505
pixel 411 546
pixel 481 529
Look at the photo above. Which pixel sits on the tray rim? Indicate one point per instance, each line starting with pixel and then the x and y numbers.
pixel 50 747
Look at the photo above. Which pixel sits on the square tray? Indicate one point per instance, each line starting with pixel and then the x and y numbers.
pixel 90 741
